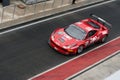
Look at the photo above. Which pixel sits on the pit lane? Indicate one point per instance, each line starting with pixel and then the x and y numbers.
pixel 25 52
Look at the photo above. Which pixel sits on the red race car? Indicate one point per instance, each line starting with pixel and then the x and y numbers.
pixel 75 37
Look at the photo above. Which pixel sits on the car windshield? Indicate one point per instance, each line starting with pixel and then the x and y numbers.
pixel 75 32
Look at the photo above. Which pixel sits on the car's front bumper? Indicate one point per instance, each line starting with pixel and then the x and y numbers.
pixel 62 50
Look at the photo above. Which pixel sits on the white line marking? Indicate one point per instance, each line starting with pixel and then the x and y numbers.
pixel 71 59
pixel 92 65
pixel 10 30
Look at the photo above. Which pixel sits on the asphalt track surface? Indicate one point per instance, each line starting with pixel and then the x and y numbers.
pixel 25 52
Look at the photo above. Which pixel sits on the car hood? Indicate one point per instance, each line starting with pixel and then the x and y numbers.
pixel 61 38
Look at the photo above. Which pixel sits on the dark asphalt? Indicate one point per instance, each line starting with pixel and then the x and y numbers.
pixel 25 52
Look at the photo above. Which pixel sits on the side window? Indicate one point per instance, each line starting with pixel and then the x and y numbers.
pixel 91 33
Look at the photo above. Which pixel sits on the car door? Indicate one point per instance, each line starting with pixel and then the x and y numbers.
pixel 91 37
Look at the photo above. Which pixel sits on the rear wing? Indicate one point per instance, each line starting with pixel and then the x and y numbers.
pixel 100 20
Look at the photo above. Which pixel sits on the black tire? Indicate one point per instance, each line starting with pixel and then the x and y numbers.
pixel 104 39
pixel 80 49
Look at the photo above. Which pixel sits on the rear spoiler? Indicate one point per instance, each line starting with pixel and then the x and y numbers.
pixel 100 20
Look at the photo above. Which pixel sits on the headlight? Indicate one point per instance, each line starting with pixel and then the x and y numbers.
pixel 52 37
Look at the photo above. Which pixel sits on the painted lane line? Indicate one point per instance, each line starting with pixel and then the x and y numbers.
pixel 40 21
pixel 76 60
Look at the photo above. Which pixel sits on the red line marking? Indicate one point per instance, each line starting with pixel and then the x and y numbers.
pixel 64 71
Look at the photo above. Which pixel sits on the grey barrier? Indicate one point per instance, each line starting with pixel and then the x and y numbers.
pixel 13 12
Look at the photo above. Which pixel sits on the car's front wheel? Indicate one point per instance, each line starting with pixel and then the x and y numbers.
pixel 80 49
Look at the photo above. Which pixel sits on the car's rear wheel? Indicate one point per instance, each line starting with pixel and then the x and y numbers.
pixel 80 49
pixel 104 39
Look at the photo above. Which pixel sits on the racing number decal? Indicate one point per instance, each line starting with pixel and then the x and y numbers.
pixel 93 39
